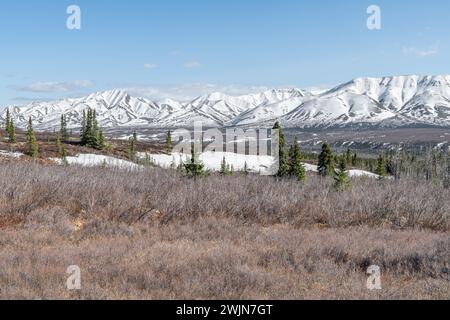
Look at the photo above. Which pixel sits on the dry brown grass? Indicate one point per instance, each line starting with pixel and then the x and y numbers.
pixel 156 235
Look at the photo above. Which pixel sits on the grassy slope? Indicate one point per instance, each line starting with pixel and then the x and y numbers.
pixel 154 234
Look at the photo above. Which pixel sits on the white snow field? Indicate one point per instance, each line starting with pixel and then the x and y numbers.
pixel 213 161
pixel 95 160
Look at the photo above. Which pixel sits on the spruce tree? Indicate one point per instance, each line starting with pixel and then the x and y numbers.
pixel 381 166
pixel 10 128
pixel 64 157
pixel 283 169
pixel 88 137
pixel 32 146
pixel 194 168
pixel 83 127
pixel 297 169
pixel 132 146
pixel 8 117
pixel 64 134
pixel 100 144
pixel 8 120
pixel 59 146
pixel 341 178
pixel 348 157
pixel 91 135
pixel 326 161
pixel 354 159
pixel 225 168
pixel 169 145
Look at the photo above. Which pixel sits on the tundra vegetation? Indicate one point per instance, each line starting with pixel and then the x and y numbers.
pixel 187 234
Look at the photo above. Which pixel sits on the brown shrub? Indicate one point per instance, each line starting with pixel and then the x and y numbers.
pixel 156 235
pixel 129 197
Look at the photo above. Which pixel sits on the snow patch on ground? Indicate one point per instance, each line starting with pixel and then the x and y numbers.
pixel 440 145
pixel 352 173
pixel 140 137
pixel 95 160
pixel 310 167
pixel 10 154
pixel 213 160
pixel 362 173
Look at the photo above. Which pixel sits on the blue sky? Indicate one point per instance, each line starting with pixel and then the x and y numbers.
pixel 185 48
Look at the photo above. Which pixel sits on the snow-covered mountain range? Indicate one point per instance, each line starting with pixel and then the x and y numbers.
pixel 389 101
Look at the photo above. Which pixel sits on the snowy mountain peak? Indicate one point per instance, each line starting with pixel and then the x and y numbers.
pixel 112 97
pixel 387 101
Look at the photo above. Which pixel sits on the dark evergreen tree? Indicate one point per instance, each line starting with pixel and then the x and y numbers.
pixel 354 159
pixel 32 146
pixel 100 140
pixel 297 169
pixel 10 128
pixel 91 135
pixel 225 168
pixel 381 166
pixel 132 146
pixel 348 157
pixel 83 127
pixel 88 134
pixel 341 178
pixel 326 161
pixel 169 145
pixel 194 168
pixel 64 134
pixel 283 156
pixel 59 146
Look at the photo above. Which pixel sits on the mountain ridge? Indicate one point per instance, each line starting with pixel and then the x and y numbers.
pixel 385 101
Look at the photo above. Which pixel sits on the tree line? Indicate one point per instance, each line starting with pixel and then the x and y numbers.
pixel 433 165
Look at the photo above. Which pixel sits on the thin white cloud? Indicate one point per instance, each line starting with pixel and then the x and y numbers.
pixel 150 66
pixel 30 99
pixel 67 86
pixel 431 51
pixel 192 65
